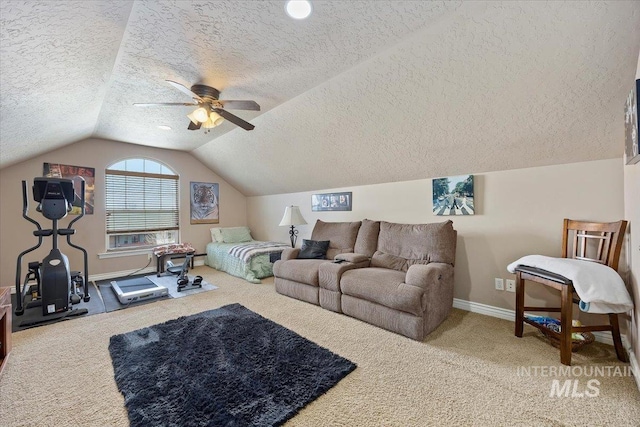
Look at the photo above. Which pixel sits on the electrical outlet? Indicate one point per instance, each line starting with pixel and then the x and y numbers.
pixel 499 284
pixel 511 285
pixel 148 256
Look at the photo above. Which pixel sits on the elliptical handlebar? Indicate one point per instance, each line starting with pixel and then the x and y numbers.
pixel 69 231
pixel 82 183
pixel 38 233
pixel 25 205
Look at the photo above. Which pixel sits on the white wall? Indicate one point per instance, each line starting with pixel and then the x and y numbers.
pixel 632 214
pixel 519 212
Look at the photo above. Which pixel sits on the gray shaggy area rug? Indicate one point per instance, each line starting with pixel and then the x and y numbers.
pixel 222 367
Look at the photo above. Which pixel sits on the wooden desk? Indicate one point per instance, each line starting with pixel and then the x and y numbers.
pixel 5 326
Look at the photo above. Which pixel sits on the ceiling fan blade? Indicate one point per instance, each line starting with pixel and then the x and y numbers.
pixel 166 104
pixel 193 126
pixel 234 119
pixel 184 89
pixel 240 105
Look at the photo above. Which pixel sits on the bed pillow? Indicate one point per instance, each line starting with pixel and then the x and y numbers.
pixel 313 249
pixel 216 235
pixel 236 234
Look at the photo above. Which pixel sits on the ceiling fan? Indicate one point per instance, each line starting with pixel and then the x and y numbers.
pixel 210 111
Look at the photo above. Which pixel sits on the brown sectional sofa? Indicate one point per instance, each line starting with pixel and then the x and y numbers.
pixel 395 276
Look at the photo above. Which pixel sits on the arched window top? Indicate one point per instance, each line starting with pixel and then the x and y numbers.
pixel 141 203
pixel 142 166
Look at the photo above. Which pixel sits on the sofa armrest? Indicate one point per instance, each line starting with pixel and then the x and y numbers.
pixel 330 273
pixel 436 281
pixel 426 275
pixel 289 253
pixel 352 257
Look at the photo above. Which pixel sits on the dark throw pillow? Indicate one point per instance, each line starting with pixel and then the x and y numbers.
pixel 313 249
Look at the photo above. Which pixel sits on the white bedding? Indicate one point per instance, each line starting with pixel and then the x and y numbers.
pixel 600 287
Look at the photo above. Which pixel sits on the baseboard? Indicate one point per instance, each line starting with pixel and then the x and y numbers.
pixel 633 361
pixel 506 314
pixel 487 310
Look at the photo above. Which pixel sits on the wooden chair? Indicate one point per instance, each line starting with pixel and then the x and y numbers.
pixel 588 241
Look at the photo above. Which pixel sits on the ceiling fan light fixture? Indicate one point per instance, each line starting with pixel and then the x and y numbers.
pixel 208 124
pixel 298 9
pixel 193 119
pixel 213 121
pixel 216 118
pixel 209 109
pixel 201 114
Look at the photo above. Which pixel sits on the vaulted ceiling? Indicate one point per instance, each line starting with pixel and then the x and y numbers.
pixel 361 92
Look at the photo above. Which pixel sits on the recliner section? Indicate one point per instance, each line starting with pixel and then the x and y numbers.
pixel 402 280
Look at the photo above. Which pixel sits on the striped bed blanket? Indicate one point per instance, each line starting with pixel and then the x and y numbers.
pixel 246 251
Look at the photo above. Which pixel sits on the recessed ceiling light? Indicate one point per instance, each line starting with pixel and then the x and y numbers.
pixel 164 127
pixel 298 9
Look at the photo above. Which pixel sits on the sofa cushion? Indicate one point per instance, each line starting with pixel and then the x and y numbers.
pixel 367 240
pixel 313 249
pixel 402 245
pixel 341 236
pixel 383 286
pixel 299 270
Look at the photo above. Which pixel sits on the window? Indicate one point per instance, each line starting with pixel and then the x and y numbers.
pixel 141 204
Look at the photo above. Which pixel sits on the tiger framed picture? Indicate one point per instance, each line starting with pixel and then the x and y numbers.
pixel 205 203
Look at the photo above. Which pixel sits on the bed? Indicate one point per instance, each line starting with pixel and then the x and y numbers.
pixel 250 259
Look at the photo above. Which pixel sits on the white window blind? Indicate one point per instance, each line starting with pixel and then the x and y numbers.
pixel 141 202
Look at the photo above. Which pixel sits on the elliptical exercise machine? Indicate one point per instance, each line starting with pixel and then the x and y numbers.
pixel 56 287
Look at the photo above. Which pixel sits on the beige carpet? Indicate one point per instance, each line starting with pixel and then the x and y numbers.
pixel 465 373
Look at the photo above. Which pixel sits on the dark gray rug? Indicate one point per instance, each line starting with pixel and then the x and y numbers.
pixel 222 367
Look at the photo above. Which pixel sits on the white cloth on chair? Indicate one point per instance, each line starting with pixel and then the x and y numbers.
pixel 599 287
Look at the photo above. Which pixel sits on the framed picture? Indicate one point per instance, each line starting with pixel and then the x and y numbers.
pixel 74 173
pixel 631 126
pixel 331 202
pixel 205 199
pixel 453 195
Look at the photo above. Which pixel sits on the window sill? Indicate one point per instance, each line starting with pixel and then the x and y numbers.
pixel 125 253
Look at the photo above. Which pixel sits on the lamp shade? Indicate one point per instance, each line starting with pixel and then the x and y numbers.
pixel 201 114
pixel 215 118
pixel 292 216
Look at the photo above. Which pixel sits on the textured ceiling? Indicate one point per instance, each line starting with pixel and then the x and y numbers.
pixel 361 92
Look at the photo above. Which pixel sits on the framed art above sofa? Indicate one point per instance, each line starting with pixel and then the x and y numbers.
pixel 331 202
